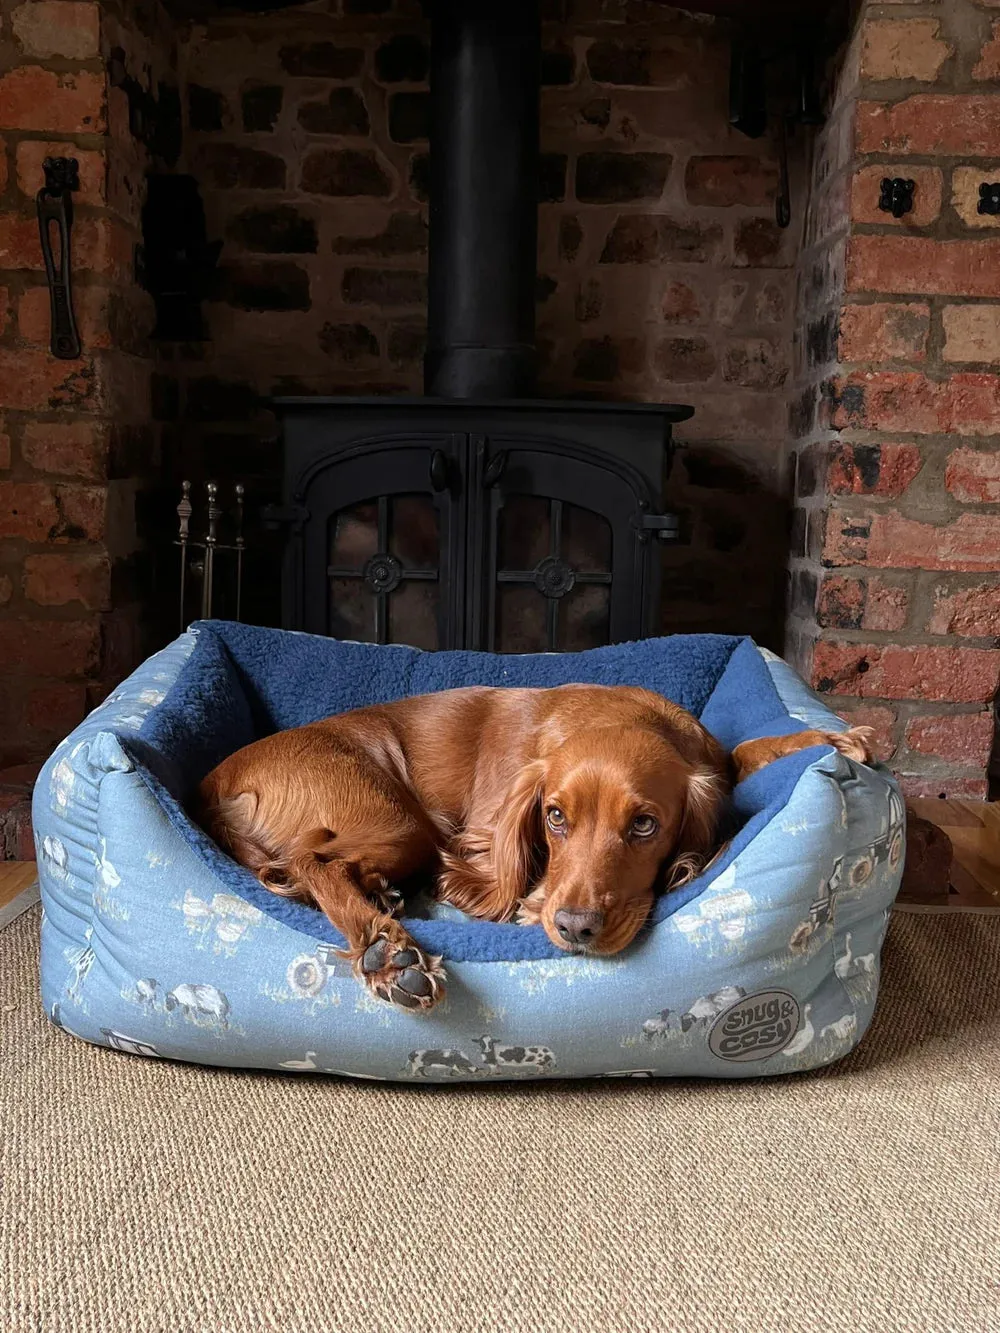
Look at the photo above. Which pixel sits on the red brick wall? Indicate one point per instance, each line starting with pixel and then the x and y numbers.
pixel 53 557
pixel 662 275
pixel 896 604
pixel 75 436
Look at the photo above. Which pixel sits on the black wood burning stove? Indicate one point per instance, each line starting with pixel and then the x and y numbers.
pixel 477 517
pixel 511 526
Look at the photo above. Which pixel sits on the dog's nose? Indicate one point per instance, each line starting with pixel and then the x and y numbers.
pixel 577 925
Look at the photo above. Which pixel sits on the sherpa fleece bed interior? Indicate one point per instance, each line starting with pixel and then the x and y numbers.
pixel 242 683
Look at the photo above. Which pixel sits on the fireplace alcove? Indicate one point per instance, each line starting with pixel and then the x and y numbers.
pixel 477 517
pixel 478 227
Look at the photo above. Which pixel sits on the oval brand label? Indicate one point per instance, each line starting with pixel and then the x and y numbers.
pixel 755 1027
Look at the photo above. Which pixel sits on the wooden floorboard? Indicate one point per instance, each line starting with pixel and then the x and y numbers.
pixel 974 830
pixel 951 814
pixel 15 876
pixel 979 855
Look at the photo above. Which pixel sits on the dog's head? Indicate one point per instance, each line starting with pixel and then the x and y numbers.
pixel 606 819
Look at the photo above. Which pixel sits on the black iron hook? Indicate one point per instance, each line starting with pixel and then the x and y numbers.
pixel 55 208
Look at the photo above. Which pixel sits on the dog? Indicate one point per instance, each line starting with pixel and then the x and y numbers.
pixel 568 807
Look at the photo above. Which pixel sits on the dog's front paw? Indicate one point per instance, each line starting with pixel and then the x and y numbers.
pixel 397 971
pixel 529 909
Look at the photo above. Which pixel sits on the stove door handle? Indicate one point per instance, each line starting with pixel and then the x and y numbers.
pixel 439 470
pixel 494 469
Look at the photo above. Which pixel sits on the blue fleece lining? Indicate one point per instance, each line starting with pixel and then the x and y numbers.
pixel 241 683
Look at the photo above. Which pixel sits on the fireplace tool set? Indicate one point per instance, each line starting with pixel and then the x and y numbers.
pixel 208 547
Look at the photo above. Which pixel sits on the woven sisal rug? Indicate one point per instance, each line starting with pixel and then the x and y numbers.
pixel 137 1196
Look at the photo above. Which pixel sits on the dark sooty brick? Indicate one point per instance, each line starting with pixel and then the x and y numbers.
pixel 261 107
pixel 384 286
pixel 321 60
pixel 402 59
pixel 275 231
pixel 205 108
pixel 267 287
pixel 345 172
pixel 342 112
pixel 609 178
pixel 404 234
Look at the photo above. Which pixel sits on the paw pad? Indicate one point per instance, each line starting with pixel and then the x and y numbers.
pixel 404 977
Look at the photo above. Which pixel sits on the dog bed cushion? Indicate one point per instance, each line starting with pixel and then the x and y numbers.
pixel 155 942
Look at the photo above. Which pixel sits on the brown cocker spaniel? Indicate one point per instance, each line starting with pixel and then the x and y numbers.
pixel 569 807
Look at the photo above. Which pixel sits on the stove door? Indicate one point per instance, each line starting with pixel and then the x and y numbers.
pixel 382 550
pixel 558 553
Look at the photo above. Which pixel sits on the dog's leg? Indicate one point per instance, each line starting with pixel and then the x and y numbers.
pixel 753 755
pixel 385 958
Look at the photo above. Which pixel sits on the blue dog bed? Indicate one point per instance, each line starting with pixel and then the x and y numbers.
pixel 155 942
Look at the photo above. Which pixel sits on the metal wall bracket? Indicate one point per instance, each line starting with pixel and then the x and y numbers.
pixel 176 260
pixel 747 91
pixel 54 202
pixel 989 198
pixel 749 112
pixel 896 195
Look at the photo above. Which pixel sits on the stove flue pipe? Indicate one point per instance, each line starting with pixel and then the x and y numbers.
pixel 485 58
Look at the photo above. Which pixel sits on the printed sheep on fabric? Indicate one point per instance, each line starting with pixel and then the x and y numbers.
pixel 155 943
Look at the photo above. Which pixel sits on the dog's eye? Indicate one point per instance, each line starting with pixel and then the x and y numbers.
pixel 644 826
pixel 555 819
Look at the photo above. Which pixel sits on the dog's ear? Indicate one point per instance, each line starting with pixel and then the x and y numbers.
pixel 702 807
pixel 518 835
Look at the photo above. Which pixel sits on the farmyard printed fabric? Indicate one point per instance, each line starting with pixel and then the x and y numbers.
pixel 156 943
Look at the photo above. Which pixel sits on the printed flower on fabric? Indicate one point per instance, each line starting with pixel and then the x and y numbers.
pixel 61 784
pixel 52 852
